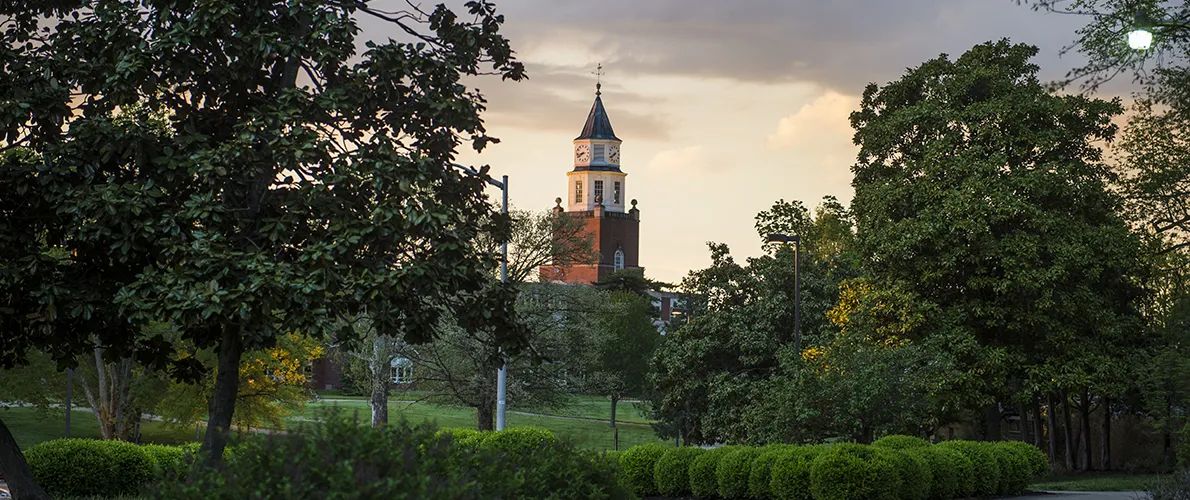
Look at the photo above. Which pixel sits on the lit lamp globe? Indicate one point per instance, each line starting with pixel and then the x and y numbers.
pixel 1140 39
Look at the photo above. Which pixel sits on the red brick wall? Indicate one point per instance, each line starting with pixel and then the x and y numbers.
pixel 610 234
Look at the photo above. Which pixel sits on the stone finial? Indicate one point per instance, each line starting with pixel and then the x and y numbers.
pixel 635 212
pixel 558 208
pixel 634 203
pixel 599 200
pixel 558 201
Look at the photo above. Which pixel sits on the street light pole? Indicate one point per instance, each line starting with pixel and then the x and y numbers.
pixel 797 284
pixel 502 373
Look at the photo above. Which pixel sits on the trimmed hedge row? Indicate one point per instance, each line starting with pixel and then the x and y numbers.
pixel 86 467
pixel 892 468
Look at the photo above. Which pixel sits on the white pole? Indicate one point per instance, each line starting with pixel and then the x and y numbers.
pixel 502 375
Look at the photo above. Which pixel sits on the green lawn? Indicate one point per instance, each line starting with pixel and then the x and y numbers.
pixel 1097 482
pixel 585 434
pixel 30 427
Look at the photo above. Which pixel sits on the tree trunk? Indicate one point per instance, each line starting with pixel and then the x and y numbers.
pixel 222 405
pixel 1038 430
pixel 381 365
pixel 613 421
pixel 991 416
pixel 1085 410
pixel 1051 421
pixel 484 416
pixel 1023 421
pixel 1105 436
pixel 1067 436
pixel 16 471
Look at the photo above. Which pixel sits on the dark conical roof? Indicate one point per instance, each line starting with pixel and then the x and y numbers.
pixel 597 126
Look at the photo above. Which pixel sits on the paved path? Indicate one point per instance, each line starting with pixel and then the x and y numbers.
pixel 1086 495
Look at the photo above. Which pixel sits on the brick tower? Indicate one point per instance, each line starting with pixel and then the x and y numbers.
pixel 596 194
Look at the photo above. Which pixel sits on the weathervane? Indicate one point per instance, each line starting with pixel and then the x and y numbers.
pixel 598 73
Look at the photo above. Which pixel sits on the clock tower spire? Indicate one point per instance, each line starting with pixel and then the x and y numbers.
pixel 597 193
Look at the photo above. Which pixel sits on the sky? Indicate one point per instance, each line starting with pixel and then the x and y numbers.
pixel 724 106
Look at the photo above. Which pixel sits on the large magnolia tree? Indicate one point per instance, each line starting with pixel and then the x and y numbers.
pixel 271 173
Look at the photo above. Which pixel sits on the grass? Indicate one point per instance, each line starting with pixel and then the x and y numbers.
pixel 30 426
pixel 1097 482
pixel 593 435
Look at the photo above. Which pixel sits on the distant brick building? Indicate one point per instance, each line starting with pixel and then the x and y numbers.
pixel 597 191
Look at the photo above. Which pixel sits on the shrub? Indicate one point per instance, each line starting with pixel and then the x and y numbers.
pixel 912 469
pixel 637 464
pixel 899 442
pixel 1176 487
pixel 760 473
pixel 1039 464
pixel 790 476
pixel 86 467
pixel 853 472
pixel 517 441
pixel 338 459
pixel 945 473
pixel 985 469
pixel 672 471
pixel 704 483
pixel 169 461
pixel 1016 469
pixel 732 472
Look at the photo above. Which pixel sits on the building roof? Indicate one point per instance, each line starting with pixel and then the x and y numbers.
pixel 597 126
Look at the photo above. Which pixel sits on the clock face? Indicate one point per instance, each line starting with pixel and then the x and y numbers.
pixel 613 154
pixel 582 153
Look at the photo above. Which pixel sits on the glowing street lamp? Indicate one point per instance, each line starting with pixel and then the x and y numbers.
pixel 1140 39
pixel 1141 35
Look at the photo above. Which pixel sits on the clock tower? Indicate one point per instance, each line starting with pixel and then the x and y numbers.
pixel 596 193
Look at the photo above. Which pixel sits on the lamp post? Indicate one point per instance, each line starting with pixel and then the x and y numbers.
pixel 1140 37
pixel 797 285
pixel 502 374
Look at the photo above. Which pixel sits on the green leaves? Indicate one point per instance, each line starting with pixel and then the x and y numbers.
pixel 986 196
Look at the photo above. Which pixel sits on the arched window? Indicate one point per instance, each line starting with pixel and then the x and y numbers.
pixel 619 260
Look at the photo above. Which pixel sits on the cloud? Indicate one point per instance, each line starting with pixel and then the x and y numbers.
pixel 820 123
pixel 684 160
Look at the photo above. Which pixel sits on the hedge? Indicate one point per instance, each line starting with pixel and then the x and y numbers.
pixel 985 474
pixel 791 473
pixel 913 471
pixel 86 467
pixel 638 466
pixel 893 468
pixel 901 442
pixel 853 472
pixel 760 474
pixel 732 472
pixel 338 458
pixel 704 480
pixel 945 472
pixel 672 470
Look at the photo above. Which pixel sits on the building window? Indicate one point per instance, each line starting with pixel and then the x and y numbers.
pixel 578 191
pixel 402 372
pixel 616 192
pixel 618 263
pixel 597 154
pixel 599 191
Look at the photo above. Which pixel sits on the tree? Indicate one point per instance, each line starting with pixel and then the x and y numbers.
pixel 616 357
pixel 272 383
pixel 296 183
pixel 985 196
pixel 715 375
pixel 1154 142
pixel 460 366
